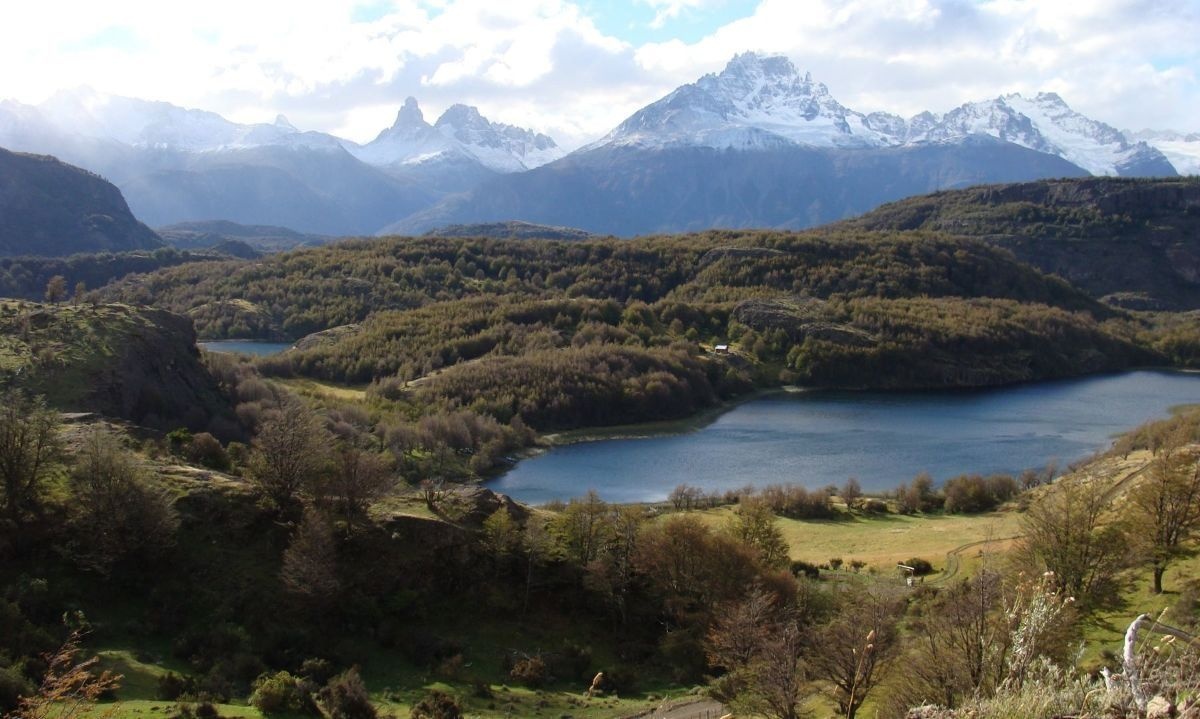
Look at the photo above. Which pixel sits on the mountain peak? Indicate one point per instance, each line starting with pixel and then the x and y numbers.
pixel 410 114
pixel 462 116
pixel 281 121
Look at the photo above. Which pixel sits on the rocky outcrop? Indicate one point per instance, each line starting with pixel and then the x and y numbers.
pixel 133 363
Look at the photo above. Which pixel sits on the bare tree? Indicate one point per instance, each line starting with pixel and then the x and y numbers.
pixel 358 480
pixel 1166 507
pixel 854 647
pixel 56 289
pixel 310 562
pixel 1070 531
pixel 758 644
pixel 116 512
pixel 851 492
pixel 291 449
pixel 30 449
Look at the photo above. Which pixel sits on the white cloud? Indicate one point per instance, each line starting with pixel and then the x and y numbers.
pixel 544 64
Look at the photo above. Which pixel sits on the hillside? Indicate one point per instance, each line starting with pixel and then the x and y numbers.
pixel 133 363
pixel 1132 243
pixel 211 233
pixel 48 207
pixel 507 231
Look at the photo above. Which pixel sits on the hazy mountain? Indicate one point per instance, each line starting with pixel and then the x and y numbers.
pixel 217 233
pixel 50 208
pixel 456 153
pixel 178 165
pixel 627 191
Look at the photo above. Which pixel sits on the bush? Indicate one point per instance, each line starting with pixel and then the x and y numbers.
pixel 920 566
pixel 345 697
pixel 282 693
pixel 171 686
pixel 437 705
pixel 317 671
pixel 806 568
pixel 206 450
pixel 13 686
pixel 530 671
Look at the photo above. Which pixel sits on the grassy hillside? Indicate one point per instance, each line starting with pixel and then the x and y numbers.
pixel 134 363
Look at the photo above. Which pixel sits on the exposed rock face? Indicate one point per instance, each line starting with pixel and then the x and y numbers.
pixel 137 364
pixel 51 208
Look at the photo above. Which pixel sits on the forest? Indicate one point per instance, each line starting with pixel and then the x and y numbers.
pixel 305 534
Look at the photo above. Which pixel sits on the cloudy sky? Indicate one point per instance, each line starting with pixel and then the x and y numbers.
pixel 576 69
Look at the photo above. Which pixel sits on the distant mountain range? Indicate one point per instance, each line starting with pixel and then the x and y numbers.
pixel 758 144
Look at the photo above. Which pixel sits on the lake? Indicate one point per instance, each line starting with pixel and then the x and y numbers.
pixel 821 437
pixel 249 347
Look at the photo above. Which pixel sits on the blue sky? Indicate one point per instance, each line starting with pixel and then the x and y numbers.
pixel 576 68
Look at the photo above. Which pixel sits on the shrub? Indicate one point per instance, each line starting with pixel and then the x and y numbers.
pixel 345 697
pixel 437 705
pixel 920 566
pixel 530 671
pixel 171 686
pixel 205 449
pixel 807 569
pixel 13 686
pixel 282 693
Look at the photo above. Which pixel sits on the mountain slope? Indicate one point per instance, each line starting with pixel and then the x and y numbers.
pixel 1133 243
pixel 631 190
pixel 48 207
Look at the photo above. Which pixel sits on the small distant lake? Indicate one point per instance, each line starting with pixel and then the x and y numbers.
pixel 249 347
pixel 816 438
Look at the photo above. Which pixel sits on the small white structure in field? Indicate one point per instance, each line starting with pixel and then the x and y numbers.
pixel 721 349
pixel 911 572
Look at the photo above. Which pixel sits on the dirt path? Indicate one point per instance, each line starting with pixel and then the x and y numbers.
pixel 954 557
pixel 696 708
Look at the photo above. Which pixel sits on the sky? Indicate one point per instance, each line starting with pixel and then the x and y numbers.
pixel 576 69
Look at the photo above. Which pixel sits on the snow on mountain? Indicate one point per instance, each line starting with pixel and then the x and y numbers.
pixel 460 133
pixel 1182 150
pixel 505 148
pixel 755 102
pixel 1044 123
pixel 759 102
pixel 161 125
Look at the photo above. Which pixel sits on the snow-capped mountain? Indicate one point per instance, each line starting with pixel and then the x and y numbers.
pixel 460 133
pixel 1182 150
pixel 161 125
pixel 762 102
pixel 756 102
pixel 1045 123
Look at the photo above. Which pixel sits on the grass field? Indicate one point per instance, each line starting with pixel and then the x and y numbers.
pixel 881 541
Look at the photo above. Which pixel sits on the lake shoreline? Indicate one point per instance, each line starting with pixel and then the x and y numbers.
pixel 881 437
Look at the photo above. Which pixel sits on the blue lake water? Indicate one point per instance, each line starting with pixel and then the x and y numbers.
pixel 249 347
pixel 817 438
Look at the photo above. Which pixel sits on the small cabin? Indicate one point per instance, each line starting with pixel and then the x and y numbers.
pixel 721 349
